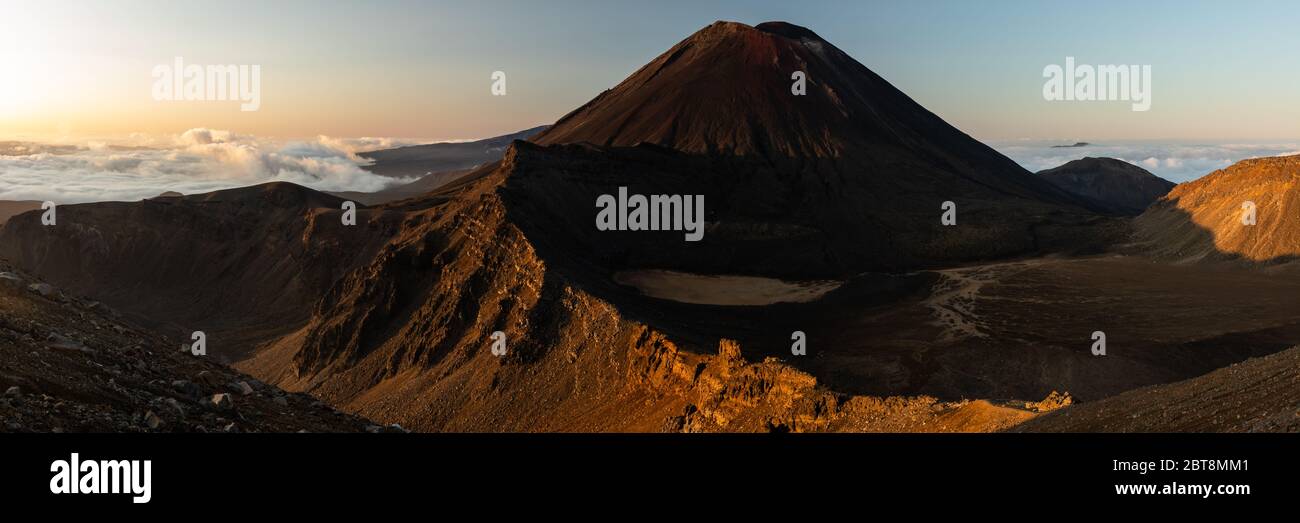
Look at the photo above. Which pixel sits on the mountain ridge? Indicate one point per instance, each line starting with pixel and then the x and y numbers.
pixel 1202 220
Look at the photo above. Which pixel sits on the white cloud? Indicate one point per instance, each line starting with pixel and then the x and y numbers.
pixel 1173 161
pixel 198 160
pixel 201 136
pixel 367 143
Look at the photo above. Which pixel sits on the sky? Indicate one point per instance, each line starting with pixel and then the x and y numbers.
pixel 1220 70
pixel 338 77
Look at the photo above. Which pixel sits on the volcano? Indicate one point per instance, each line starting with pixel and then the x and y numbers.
pixel 727 90
pixel 850 176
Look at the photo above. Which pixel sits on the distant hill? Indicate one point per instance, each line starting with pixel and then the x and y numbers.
pixel 9 209
pixel 1127 188
pixel 435 165
pixel 420 160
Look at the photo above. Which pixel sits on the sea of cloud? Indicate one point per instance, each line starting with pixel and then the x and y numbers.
pixel 196 161
pixel 1173 161
pixel 203 160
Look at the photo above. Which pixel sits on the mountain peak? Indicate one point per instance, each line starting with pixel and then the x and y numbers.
pixel 776 90
pixel 787 30
pixel 728 89
pixel 776 28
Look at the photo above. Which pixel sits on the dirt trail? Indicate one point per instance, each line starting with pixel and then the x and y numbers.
pixel 954 297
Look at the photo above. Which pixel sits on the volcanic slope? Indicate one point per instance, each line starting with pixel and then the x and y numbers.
pixel 1205 219
pixel 850 176
pixel 1257 395
pixel 68 364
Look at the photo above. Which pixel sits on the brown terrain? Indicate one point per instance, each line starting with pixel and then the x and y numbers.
pixel 1201 220
pixel 821 219
pixel 73 365
pixel 238 264
pixel 1258 395
pixel 1122 186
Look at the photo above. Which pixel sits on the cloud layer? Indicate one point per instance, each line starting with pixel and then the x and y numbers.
pixel 1176 162
pixel 196 161
pixel 203 160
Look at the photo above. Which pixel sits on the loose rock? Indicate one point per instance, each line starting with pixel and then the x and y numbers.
pixel 152 420
pixel 242 388
pixel 44 289
pixel 222 401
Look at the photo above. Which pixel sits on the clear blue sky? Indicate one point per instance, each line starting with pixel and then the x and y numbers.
pixel 1221 70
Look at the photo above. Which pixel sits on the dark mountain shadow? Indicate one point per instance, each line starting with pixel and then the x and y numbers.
pixel 875 334
pixel 764 217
